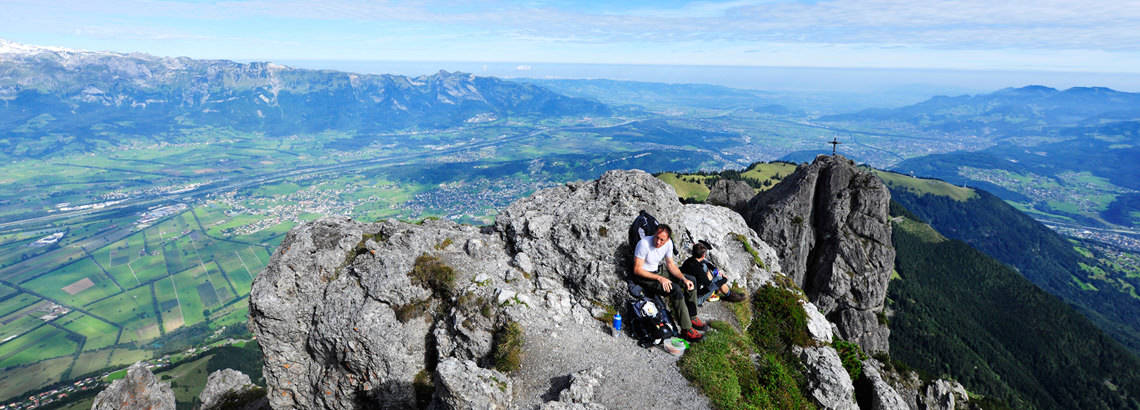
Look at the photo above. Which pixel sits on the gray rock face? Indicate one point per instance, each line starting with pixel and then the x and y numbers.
pixel 341 323
pixel 919 394
pixel 580 394
pixel 818 326
pixel 356 315
pixel 828 222
pixel 576 234
pixel 725 229
pixel 944 395
pixel 139 390
pixel 462 384
pixel 883 396
pixel 730 193
pixel 828 382
pixel 221 382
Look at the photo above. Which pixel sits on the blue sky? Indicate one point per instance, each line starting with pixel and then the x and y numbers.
pixel 1090 35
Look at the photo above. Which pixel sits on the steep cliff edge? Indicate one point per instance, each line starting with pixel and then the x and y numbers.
pixel 390 314
pixel 830 224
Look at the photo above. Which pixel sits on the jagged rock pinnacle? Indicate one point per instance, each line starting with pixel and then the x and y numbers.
pixel 829 222
pixel 138 390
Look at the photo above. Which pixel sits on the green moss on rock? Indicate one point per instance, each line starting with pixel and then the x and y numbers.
pixel 751 251
pixel 734 374
pixel 778 320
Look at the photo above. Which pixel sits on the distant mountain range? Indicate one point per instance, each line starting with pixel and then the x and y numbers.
pixel 1031 110
pixel 81 94
pixel 667 96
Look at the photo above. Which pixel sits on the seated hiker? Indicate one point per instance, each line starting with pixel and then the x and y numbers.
pixel 707 276
pixel 649 254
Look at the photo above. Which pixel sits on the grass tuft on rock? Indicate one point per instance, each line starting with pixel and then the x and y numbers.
pixel 507 352
pixel 751 251
pixel 430 272
pixel 423 387
pixel 778 320
pixel 407 312
pixel 607 316
pixel 852 356
pixel 742 311
pixel 733 374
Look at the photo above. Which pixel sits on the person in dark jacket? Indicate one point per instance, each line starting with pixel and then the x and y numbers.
pixel 708 278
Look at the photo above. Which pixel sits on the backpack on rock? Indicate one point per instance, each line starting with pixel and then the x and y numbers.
pixel 650 323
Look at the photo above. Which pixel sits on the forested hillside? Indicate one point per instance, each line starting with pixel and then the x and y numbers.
pixel 1093 285
pixel 960 313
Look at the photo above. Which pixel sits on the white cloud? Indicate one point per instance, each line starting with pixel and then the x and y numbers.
pixel 699 32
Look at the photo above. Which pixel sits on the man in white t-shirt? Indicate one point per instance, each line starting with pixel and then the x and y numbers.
pixel 647 258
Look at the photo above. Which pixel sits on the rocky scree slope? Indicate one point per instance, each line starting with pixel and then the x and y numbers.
pixel 398 315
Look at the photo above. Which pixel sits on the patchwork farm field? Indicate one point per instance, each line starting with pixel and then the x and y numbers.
pixel 117 303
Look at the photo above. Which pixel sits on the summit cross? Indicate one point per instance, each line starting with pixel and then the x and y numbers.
pixel 834 143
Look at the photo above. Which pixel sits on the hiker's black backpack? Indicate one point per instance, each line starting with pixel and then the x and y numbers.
pixel 649 320
pixel 642 226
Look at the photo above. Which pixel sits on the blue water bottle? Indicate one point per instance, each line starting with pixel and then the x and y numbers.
pixel 617 324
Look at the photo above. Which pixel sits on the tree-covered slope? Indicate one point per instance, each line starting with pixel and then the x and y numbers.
pixel 960 313
pixel 1096 288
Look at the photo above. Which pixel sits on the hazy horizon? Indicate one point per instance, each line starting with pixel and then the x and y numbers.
pixel 903 82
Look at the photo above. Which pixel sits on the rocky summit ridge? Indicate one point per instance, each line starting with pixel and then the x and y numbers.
pixel 830 224
pixel 441 315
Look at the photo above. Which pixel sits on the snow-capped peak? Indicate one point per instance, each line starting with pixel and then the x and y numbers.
pixel 11 47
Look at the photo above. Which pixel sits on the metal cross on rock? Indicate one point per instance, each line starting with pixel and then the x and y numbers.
pixel 834 143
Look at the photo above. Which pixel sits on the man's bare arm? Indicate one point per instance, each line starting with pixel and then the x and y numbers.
pixel 672 267
pixel 639 270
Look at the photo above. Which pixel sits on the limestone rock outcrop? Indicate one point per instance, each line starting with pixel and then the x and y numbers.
pixel 883 396
pixel 138 390
pixel 462 384
pixel 818 326
pixel 730 193
pixel 943 395
pixel 829 223
pixel 737 251
pixel 375 315
pixel 348 314
pixel 220 383
pixel 580 394
pixel 828 382
pixel 342 322
pixel 919 394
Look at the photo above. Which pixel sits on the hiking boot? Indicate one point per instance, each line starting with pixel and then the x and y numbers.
pixel 700 324
pixel 691 335
pixel 733 297
pixel 715 297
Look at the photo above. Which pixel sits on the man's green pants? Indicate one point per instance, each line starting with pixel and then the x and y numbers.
pixel 682 303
